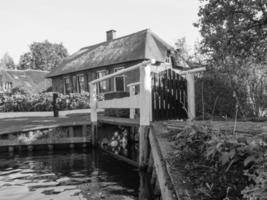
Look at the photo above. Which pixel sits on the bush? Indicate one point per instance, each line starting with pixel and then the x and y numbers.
pixel 42 102
pixel 223 165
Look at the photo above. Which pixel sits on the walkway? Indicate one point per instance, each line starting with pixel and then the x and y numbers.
pixel 24 121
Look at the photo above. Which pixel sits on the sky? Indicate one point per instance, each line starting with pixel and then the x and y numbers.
pixel 79 23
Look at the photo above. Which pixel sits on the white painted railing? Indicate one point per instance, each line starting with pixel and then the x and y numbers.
pixel 140 101
pixel 143 100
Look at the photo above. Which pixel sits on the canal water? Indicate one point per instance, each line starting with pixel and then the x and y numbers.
pixel 73 175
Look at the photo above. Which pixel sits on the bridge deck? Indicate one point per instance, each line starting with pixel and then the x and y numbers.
pixel 27 123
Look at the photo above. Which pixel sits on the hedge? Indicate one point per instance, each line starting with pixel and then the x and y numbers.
pixel 42 102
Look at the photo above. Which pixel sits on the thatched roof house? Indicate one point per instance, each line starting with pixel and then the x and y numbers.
pixel 89 63
pixel 31 81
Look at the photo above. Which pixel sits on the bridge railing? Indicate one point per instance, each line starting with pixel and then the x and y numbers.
pixel 149 94
pixel 136 100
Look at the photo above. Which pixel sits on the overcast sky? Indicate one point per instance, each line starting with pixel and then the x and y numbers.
pixel 79 23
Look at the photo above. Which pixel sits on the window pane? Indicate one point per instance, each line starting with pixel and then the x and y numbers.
pixel 119 83
pixel 103 85
pixel 67 85
pixel 119 80
pixel 81 83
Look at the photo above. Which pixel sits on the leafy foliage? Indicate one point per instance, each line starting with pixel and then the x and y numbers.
pixel 234 41
pixel 7 62
pixel 26 61
pixel 21 102
pixel 43 56
pixel 222 165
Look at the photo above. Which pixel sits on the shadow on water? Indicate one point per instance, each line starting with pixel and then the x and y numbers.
pixel 81 175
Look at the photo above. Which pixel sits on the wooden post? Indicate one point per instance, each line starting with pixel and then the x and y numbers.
pixel 50 147
pixel 132 92
pixel 30 148
pixel 93 106
pixel 84 134
pixel 71 135
pixel 145 114
pixel 191 96
pixel 55 109
pixel 145 95
pixel 11 149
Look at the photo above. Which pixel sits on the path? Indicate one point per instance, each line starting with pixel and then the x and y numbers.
pixel 23 121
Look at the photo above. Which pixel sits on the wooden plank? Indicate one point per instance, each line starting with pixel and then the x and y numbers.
pixel 118 121
pixel 143 146
pixel 126 102
pixel 122 158
pixel 164 180
pixel 153 93
pixel 173 95
pixel 140 65
pixel 178 96
pixel 145 104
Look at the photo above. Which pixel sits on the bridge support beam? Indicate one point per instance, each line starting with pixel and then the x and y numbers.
pixel 191 96
pixel 143 146
pixel 145 114
pixel 93 105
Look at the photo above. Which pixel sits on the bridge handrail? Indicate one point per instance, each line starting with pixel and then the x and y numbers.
pixel 143 64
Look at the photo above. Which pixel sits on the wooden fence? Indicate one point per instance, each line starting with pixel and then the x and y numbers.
pixel 169 96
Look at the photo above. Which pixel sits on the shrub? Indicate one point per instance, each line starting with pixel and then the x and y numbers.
pixel 223 165
pixel 42 102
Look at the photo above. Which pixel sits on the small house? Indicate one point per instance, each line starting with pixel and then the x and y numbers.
pixel 31 81
pixel 89 63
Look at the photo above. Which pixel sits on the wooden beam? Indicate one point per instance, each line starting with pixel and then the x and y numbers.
pixel 143 146
pixel 93 103
pixel 145 96
pixel 121 72
pixel 191 96
pixel 126 102
pixel 164 180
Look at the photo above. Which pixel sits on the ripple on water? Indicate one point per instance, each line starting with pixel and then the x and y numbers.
pixel 61 176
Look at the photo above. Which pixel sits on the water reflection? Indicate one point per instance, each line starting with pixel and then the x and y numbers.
pixel 67 175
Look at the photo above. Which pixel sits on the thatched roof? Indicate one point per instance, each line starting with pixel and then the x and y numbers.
pixel 32 81
pixel 137 46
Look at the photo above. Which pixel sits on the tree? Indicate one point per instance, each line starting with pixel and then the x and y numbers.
pixel 235 40
pixel 7 62
pixel 47 55
pixel 26 61
pixel 43 56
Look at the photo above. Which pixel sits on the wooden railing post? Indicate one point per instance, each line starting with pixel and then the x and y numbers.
pixel 55 108
pixel 93 107
pixel 132 92
pixel 145 114
pixel 191 96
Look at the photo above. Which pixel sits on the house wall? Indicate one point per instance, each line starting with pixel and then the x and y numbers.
pixel 58 84
pixel 91 74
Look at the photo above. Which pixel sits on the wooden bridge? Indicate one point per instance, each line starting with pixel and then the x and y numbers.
pixel 162 93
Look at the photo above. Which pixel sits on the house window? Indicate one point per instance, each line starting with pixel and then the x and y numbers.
pixel 103 86
pixel 80 83
pixel 74 83
pixel 119 81
pixel 8 86
pixel 67 85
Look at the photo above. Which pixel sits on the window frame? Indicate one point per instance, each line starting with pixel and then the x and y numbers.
pixel 79 88
pixel 116 69
pixel 64 79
